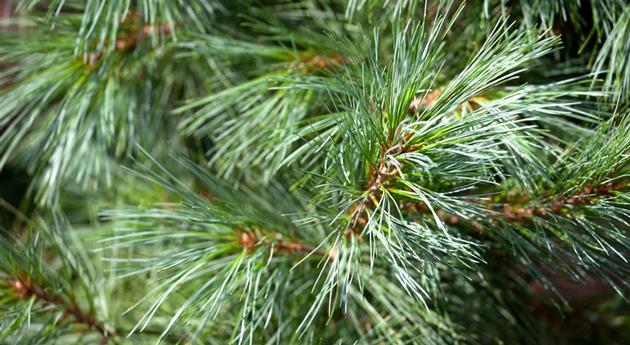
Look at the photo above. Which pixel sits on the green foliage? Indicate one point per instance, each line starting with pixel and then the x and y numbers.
pixel 319 172
pixel 66 117
pixel 614 55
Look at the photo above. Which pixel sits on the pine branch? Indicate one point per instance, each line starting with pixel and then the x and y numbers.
pixel 80 107
pixel 379 176
pixel 26 288
pixel 373 172
pixel 515 207
pixel 561 206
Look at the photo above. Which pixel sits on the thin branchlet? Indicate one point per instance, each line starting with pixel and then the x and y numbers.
pixel 25 288
pixel 378 176
pixel 249 240
pixel 517 207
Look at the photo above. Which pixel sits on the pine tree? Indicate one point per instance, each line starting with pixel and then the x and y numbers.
pixel 315 172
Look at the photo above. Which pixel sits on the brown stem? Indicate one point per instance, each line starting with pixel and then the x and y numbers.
pixel 512 212
pixel 586 196
pixel 25 288
pixel 249 240
pixel 379 176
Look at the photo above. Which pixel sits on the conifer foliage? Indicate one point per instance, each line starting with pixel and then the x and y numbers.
pixel 315 172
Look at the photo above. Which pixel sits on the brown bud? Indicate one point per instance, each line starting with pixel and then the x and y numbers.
pixel 21 289
pixel 247 241
pixel 121 44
